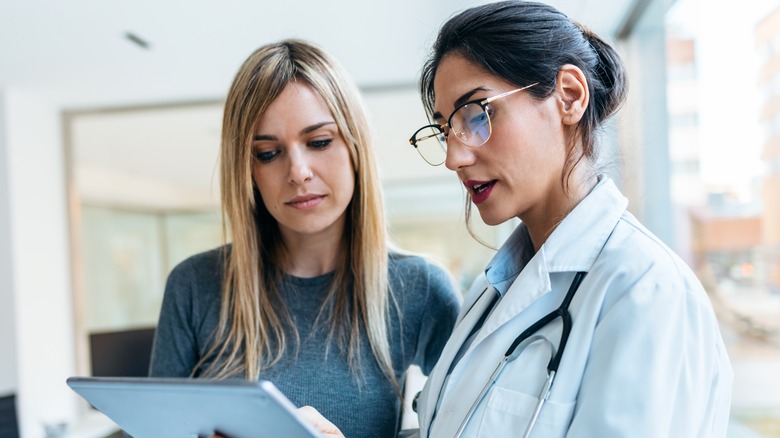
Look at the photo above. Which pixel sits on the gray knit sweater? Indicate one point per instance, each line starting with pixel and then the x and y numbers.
pixel 361 406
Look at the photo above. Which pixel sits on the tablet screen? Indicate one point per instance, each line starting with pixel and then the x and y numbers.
pixel 190 408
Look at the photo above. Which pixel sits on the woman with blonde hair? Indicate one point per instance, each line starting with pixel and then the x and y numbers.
pixel 309 290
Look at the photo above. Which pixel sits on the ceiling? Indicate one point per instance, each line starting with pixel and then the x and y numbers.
pixel 76 52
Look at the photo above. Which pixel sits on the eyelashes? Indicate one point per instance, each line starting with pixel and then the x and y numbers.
pixel 266 156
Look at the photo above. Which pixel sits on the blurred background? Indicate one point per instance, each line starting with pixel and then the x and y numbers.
pixel 110 118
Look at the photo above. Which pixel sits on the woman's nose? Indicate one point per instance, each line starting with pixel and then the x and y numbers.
pixel 300 168
pixel 458 154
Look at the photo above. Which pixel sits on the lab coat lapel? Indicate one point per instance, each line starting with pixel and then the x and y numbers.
pixel 434 385
pixel 472 379
pixel 532 282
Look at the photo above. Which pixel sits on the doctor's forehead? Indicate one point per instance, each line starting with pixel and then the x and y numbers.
pixel 456 77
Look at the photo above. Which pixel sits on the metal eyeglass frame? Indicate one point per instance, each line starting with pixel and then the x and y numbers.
pixel 483 103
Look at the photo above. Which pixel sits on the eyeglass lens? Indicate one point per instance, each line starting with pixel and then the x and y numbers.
pixel 470 123
pixel 431 145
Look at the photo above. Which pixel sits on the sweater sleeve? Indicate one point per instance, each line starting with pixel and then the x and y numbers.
pixel 439 312
pixel 175 351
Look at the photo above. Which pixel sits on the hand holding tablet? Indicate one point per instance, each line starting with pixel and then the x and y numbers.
pixel 313 416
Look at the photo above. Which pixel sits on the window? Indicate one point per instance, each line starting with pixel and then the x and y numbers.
pixel 734 225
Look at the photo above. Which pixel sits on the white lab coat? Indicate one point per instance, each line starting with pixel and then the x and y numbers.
pixel 645 357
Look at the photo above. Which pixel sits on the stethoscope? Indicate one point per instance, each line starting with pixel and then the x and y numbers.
pixel 520 343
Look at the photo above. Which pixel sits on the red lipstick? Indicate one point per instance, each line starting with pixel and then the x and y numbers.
pixel 480 190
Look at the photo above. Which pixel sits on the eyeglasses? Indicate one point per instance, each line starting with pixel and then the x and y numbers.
pixel 470 122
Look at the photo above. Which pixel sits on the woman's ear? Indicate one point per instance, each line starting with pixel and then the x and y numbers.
pixel 573 95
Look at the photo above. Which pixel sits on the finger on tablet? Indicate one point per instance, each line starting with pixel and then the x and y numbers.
pixel 319 422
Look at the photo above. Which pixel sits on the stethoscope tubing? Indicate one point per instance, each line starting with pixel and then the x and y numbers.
pixel 518 346
pixel 540 400
pixel 562 312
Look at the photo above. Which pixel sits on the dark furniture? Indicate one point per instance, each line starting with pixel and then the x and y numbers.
pixel 124 353
pixel 9 427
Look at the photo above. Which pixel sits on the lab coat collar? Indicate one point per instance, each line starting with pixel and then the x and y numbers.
pixel 510 259
pixel 573 246
pixel 567 248
pixel 577 241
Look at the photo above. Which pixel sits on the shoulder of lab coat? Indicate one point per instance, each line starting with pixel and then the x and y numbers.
pixel 657 365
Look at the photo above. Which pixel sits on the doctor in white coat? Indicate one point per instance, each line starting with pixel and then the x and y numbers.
pixel 517 91
pixel 584 324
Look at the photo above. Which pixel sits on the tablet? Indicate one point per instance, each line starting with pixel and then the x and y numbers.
pixel 190 408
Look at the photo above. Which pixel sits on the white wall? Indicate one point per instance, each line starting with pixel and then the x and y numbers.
pixel 36 205
pixel 7 318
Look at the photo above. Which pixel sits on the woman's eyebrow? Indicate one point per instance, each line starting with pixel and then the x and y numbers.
pixel 467 96
pixel 306 130
pixel 265 137
pixel 316 126
pixel 461 100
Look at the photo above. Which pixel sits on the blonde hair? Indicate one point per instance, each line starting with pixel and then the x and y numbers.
pixel 251 333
